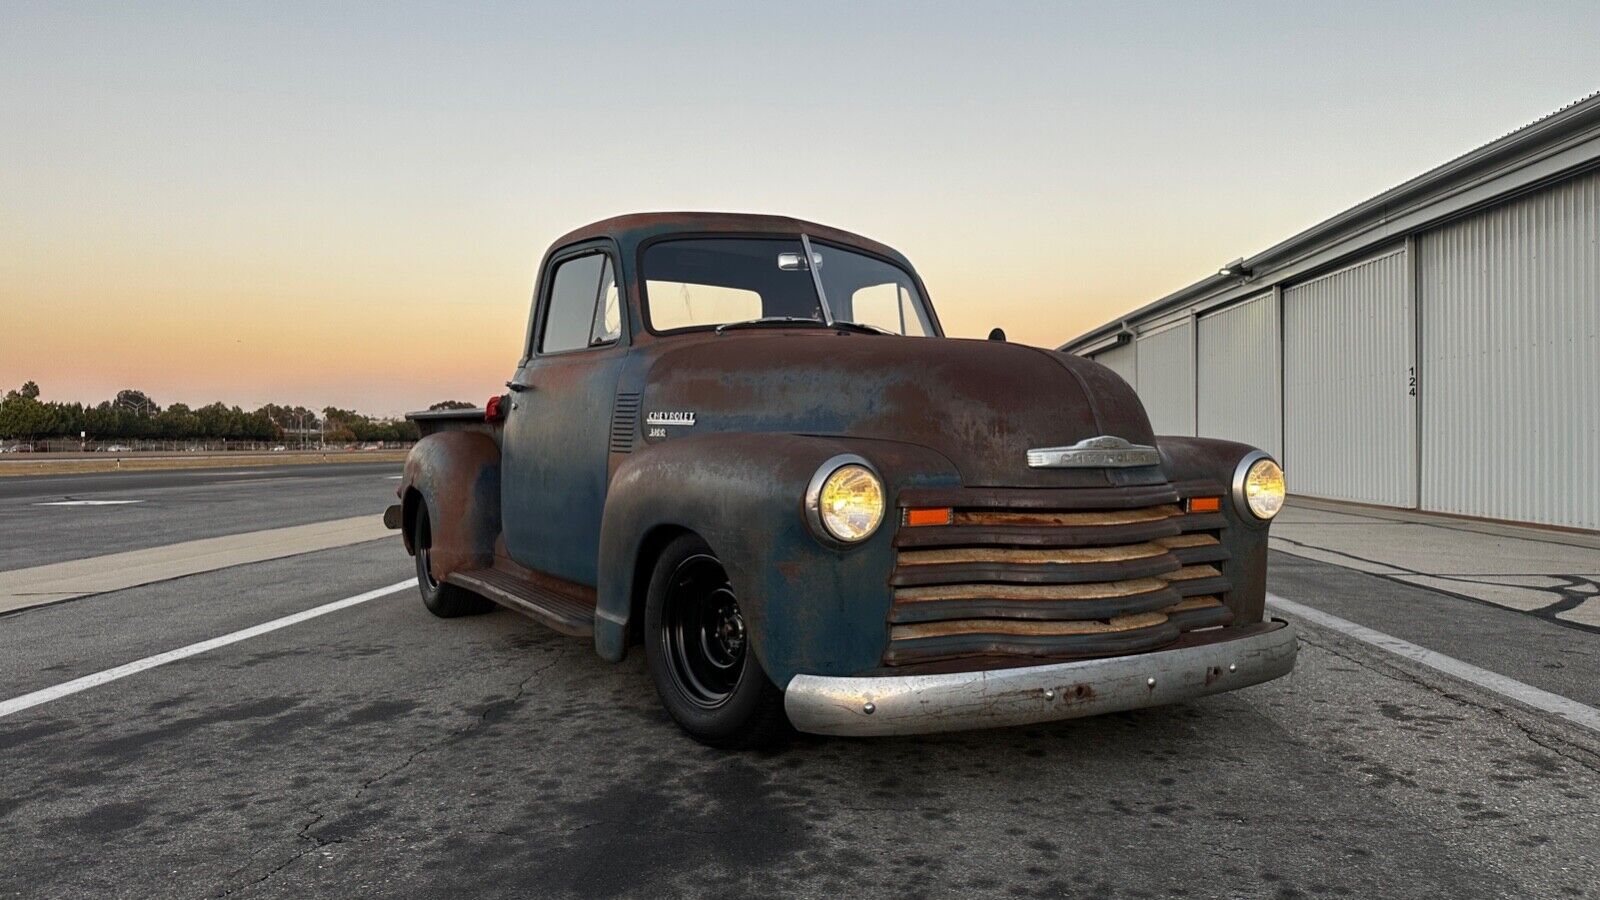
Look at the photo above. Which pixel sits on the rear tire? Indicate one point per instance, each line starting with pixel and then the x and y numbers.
pixel 699 654
pixel 443 600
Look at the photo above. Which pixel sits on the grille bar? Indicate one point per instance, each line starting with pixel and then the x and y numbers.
pixel 1032 573
pixel 1193 581
pixel 1195 548
pixel 1036 535
pixel 1067 519
pixel 1199 612
pixel 1031 556
pixel 1041 498
pixel 1152 595
pixel 920 643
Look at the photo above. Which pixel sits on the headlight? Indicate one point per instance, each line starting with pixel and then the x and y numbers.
pixel 845 499
pixel 1258 486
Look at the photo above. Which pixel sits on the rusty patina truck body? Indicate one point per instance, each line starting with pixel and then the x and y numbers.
pixel 743 442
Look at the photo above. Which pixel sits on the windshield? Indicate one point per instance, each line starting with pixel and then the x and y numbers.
pixel 710 282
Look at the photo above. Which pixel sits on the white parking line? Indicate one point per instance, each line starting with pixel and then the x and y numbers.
pixel 1569 709
pixel 87 502
pixel 27 701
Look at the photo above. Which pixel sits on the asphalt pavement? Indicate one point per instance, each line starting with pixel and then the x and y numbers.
pixel 55 518
pixel 378 751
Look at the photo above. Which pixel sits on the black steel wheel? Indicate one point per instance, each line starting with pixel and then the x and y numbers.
pixel 699 655
pixel 702 633
pixel 443 600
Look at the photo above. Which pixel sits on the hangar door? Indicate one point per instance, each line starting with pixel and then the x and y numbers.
pixel 1238 374
pixel 1166 378
pixel 1511 360
pixel 1121 360
pixel 1349 415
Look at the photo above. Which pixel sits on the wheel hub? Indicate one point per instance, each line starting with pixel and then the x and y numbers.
pixel 729 628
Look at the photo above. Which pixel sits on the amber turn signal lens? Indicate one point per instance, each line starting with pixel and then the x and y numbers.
pixel 1205 504
pixel 928 516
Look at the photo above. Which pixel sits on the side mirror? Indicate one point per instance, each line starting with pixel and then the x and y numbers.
pixel 997 334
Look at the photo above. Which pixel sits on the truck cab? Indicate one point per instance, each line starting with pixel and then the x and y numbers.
pixel 744 443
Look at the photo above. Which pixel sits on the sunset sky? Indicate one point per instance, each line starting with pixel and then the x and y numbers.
pixel 321 204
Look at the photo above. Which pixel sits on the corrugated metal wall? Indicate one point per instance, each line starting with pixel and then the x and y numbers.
pixel 1123 360
pixel 1511 360
pixel 1349 417
pixel 1166 379
pixel 1238 374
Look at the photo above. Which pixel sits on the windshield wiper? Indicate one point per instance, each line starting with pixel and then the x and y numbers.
pixel 860 326
pixel 771 320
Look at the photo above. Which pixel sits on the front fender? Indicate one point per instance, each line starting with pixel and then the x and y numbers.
pixel 807 606
pixel 1206 466
pixel 457 474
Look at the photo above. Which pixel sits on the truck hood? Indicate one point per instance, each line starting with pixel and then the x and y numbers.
pixel 982 404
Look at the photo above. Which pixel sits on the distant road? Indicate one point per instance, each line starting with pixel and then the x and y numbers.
pixel 47 519
pixel 21 464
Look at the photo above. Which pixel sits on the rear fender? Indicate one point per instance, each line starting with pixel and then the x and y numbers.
pixel 457 475
pixel 807 606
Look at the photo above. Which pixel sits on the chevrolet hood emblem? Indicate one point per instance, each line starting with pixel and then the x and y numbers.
pixel 1106 451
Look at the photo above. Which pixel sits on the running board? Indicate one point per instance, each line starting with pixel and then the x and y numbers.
pixel 559 605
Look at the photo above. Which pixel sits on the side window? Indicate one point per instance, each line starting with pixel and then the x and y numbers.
pixel 575 317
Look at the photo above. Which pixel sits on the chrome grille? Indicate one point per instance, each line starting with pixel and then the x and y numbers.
pixel 1054 574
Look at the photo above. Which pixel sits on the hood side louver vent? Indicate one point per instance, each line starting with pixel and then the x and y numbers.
pixel 624 423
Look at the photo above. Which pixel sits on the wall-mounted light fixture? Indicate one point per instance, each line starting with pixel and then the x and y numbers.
pixel 1236 269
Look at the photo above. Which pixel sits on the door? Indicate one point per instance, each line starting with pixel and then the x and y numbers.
pixel 1510 316
pixel 554 447
pixel 1165 361
pixel 1236 374
pixel 1349 392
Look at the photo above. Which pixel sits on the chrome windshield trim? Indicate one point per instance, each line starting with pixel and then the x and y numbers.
pixel 1105 451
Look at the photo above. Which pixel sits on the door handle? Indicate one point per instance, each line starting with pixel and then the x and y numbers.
pixel 518 387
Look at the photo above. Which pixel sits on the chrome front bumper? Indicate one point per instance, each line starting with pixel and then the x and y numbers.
pixel 918 704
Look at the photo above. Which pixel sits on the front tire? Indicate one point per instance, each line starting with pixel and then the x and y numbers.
pixel 698 652
pixel 443 600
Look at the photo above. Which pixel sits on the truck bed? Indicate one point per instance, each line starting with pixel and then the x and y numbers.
pixel 436 420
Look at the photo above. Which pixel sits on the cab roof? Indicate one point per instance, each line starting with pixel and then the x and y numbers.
pixel 633 229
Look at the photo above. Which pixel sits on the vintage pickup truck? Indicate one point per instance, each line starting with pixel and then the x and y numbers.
pixel 744 442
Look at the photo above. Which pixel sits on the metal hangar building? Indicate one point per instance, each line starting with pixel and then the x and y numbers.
pixel 1436 348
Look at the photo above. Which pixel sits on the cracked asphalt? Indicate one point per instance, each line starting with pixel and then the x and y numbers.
pixel 378 751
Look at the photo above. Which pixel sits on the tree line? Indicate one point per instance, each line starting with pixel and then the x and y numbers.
pixel 133 415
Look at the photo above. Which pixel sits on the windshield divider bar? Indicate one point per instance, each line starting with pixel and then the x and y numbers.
pixel 816 279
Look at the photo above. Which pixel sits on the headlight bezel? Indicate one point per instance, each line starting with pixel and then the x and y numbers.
pixel 813 500
pixel 1241 476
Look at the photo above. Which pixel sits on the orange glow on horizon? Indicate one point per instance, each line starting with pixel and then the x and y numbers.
pixel 318 206
pixel 383 335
